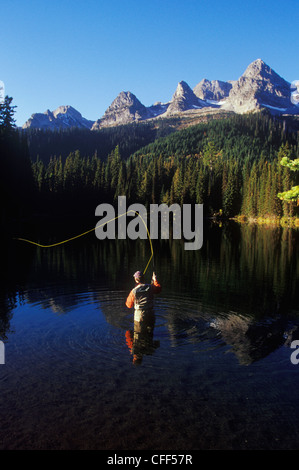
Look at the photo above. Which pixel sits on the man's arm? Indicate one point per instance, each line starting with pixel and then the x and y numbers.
pixel 130 300
pixel 155 285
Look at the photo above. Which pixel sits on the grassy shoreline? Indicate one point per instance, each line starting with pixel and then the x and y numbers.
pixel 291 222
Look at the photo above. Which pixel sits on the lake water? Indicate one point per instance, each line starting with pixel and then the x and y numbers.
pixel 215 372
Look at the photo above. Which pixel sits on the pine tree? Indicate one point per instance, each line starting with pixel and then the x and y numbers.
pixel 231 195
pixel 7 121
pixel 115 164
pixel 143 191
pixel 177 187
pixel 98 175
pixel 38 170
pixel 121 182
pixel 72 171
pixel 201 186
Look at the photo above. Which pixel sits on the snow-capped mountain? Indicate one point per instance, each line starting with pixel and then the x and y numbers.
pixel 258 87
pixel 64 117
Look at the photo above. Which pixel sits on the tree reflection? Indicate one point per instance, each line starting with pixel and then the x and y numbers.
pixel 244 281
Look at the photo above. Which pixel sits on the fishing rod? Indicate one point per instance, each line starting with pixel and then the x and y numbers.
pixel 91 230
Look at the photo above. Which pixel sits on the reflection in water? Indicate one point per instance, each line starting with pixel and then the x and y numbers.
pixel 251 271
pixel 251 341
pixel 141 297
pixel 141 340
pixel 67 329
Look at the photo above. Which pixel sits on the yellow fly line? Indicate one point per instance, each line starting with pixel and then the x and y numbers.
pixel 91 230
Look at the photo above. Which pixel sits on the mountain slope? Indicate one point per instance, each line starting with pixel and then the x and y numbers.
pixel 184 99
pixel 259 87
pixel 126 108
pixel 64 117
pixel 214 90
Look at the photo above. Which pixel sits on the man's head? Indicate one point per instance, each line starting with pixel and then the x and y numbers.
pixel 139 277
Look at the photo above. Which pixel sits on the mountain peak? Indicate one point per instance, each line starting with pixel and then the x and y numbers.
pixel 182 89
pixel 214 90
pixel 184 99
pixel 259 87
pixel 259 68
pixel 63 117
pixel 66 109
pixel 126 108
pixel 258 63
pixel 125 99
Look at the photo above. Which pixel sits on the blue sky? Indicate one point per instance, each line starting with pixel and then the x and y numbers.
pixel 83 53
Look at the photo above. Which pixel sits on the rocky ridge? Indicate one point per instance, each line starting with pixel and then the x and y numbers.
pixel 64 117
pixel 184 99
pixel 212 91
pixel 258 87
pixel 126 108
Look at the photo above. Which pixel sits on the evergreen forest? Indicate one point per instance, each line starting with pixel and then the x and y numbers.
pixel 232 166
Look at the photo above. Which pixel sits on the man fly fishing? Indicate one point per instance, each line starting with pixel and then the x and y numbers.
pixel 141 296
pixel 140 341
